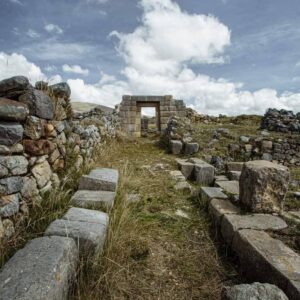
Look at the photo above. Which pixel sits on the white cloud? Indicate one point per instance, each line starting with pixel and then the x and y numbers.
pixel 16 2
pixel 52 28
pixel 75 69
pixel 32 34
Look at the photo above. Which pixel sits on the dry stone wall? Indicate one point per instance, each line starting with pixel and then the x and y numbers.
pixel 37 136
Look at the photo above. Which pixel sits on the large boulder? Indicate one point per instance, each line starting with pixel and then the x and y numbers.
pixel 60 90
pixel 263 186
pixel 39 104
pixel 13 110
pixel 13 87
pixel 10 133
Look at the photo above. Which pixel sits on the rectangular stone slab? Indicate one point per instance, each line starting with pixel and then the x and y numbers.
pixel 218 208
pixel 264 259
pixel 90 237
pixel 233 223
pixel 209 193
pixel 100 180
pixel 204 173
pixel 93 199
pixel 86 215
pixel 230 187
pixel 43 270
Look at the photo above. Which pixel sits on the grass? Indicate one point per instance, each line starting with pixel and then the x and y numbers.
pixel 152 253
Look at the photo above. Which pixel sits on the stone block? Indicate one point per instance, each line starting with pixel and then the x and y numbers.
pixel 100 180
pixel 42 173
pixel 184 187
pixel 39 147
pixel 263 186
pixel 191 148
pixel 221 178
pixel 218 208
pixel 10 133
pixel 185 167
pixel 232 223
pixel 234 166
pixel 13 165
pixel 231 187
pixel 10 185
pixel 204 173
pixel 9 205
pixel 234 175
pixel 13 110
pixel 94 199
pixel 209 193
pixel 176 147
pixel 265 259
pixel 254 291
pixel 177 176
pixel 44 269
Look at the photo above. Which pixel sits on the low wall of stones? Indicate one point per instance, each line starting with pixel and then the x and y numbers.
pixel 37 136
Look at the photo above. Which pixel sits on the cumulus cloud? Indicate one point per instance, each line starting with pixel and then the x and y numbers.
pixel 32 34
pixel 52 28
pixel 76 69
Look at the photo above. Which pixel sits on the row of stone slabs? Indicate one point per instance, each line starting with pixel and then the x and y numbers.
pixel 46 267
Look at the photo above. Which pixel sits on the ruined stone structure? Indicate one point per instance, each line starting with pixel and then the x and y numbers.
pixel 165 106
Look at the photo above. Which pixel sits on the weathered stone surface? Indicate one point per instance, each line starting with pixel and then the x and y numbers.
pixel 54 156
pixel 1 230
pixel 13 165
pixel 94 199
pixel 234 175
pixel 218 208
pixel 10 133
pixel 12 110
pixel 13 87
pixel 8 227
pixel 265 259
pixel 263 186
pixel 88 235
pixel 39 104
pixel 11 185
pixel 100 180
pixel 9 205
pixel 231 187
pixel 44 269
pixel 177 176
pixel 221 178
pixel 176 146
pixel 204 173
pixel 29 189
pixel 61 90
pixel 234 166
pixel 191 148
pixel 185 167
pixel 15 149
pixel 183 186
pixel 39 147
pixel 34 127
pixel 209 193
pixel 42 173
pixel 254 291
pixel 86 215
pixel 232 223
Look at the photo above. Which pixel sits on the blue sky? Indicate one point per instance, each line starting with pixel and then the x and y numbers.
pixel 220 56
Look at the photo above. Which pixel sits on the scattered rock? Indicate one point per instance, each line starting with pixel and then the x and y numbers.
pixel 176 147
pixel 191 148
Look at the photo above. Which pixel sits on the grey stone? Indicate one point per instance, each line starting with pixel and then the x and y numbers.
pixel 232 223
pixel 47 188
pixel 9 228
pixel 176 147
pixel 89 236
pixel 218 208
pixel 42 173
pixel 263 186
pixel 234 175
pixel 9 205
pixel 15 149
pixel 191 148
pixel 54 156
pixel 254 291
pixel 183 186
pixel 234 166
pixel 13 87
pixel 186 168
pixel 100 180
pixel 209 193
pixel 12 110
pixel 34 127
pixel 204 173
pixel 244 139
pixel 61 90
pixel 231 187
pixel 10 185
pixel 132 198
pixel 177 176
pixel 44 269
pixel 94 199
pixel 10 133
pixel 267 156
pixel 265 259
pixel 13 165
pixel 39 104
pixel 221 178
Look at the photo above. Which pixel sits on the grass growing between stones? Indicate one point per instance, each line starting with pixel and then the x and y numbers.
pixel 157 248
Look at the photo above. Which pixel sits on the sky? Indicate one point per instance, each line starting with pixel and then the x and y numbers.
pixel 219 56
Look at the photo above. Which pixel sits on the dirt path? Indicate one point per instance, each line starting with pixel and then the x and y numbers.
pixel 159 247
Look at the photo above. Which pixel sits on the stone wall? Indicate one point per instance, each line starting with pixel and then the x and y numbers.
pixel 37 135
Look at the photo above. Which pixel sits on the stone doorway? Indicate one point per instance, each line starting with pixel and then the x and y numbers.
pixel 150 123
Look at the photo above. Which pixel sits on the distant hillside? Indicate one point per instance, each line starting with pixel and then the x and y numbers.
pixel 85 106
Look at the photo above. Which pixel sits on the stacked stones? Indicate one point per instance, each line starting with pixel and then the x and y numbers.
pixel 34 126
pixel 285 151
pixel 178 137
pixel 281 121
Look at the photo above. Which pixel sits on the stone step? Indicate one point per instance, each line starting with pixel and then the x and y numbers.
pixel 93 199
pixel 100 180
pixel 44 269
pixel 88 235
pixel 231 187
pixel 265 259
pixel 204 173
pixel 209 193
